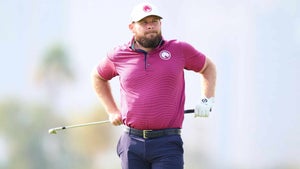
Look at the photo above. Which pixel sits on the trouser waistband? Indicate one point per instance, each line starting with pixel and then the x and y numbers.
pixel 152 133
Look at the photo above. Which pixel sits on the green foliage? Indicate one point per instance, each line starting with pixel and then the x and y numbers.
pixel 25 126
pixel 56 64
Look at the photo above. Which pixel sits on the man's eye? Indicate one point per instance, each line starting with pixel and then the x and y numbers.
pixel 144 23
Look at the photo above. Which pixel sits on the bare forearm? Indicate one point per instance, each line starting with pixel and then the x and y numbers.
pixel 103 91
pixel 209 75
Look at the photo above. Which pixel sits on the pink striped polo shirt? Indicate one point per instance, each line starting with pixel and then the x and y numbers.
pixel 152 84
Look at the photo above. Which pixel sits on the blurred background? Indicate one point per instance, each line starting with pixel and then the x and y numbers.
pixel 49 47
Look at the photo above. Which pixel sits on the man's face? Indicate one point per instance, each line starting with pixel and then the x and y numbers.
pixel 147 32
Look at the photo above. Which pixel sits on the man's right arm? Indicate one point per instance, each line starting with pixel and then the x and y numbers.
pixel 103 91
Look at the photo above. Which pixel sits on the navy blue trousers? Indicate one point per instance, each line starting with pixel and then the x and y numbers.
pixel 157 153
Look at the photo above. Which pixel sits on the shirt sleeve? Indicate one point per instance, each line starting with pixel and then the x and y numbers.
pixel 106 69
pixel 194 59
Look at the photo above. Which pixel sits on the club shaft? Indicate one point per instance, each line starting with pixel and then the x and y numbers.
pixel 53 130
pixel 81 125
pixel 101 122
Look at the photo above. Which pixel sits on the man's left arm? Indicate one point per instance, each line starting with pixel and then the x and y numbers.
pixel 209 76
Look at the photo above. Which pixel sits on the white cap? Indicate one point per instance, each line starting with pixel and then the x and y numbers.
pixel 143 10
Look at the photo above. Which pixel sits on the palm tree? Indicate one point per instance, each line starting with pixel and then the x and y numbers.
pixel 54 71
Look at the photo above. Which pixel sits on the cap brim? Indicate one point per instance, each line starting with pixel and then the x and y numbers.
pixel 142 17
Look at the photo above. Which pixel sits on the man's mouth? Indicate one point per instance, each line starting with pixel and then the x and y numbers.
pixel 152 32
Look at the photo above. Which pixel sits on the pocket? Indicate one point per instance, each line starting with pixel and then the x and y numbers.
pixel 123 143
pixel 120 147
pixel 176 141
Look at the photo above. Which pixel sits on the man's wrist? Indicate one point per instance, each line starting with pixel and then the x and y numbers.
pixel 210 100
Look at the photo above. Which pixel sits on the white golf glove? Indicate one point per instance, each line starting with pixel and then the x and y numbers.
pixel 205 107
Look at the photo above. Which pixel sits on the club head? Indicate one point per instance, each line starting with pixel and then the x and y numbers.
pixel 52 131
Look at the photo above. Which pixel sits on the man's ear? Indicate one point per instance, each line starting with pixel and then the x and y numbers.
pixel 131 26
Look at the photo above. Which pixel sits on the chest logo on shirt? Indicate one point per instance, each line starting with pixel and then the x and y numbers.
pixel 165 55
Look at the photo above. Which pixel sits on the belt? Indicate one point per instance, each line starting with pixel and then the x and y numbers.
pixel 152 133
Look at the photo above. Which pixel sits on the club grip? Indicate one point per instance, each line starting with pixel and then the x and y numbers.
pixel 189 111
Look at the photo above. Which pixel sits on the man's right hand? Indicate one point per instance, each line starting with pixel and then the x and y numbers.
pixel 115 118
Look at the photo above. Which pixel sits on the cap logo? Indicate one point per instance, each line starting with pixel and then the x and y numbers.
pixel 147 8
pixel 165 55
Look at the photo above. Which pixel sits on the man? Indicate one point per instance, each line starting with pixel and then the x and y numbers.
pixel 151 74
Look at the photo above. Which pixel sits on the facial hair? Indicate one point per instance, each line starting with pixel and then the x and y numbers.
pixel 149 42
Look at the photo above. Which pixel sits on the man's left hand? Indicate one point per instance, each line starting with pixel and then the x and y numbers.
pixel 205 107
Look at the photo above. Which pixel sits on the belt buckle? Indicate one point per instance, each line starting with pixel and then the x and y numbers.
pixel 145 133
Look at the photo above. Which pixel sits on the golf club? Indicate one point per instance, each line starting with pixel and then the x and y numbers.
pixel 189 111
pixel 54 130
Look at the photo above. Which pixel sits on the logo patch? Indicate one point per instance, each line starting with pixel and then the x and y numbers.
pixel 165 55
pixel 147 8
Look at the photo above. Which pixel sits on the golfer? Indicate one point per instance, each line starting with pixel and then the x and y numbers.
pixel 152 87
